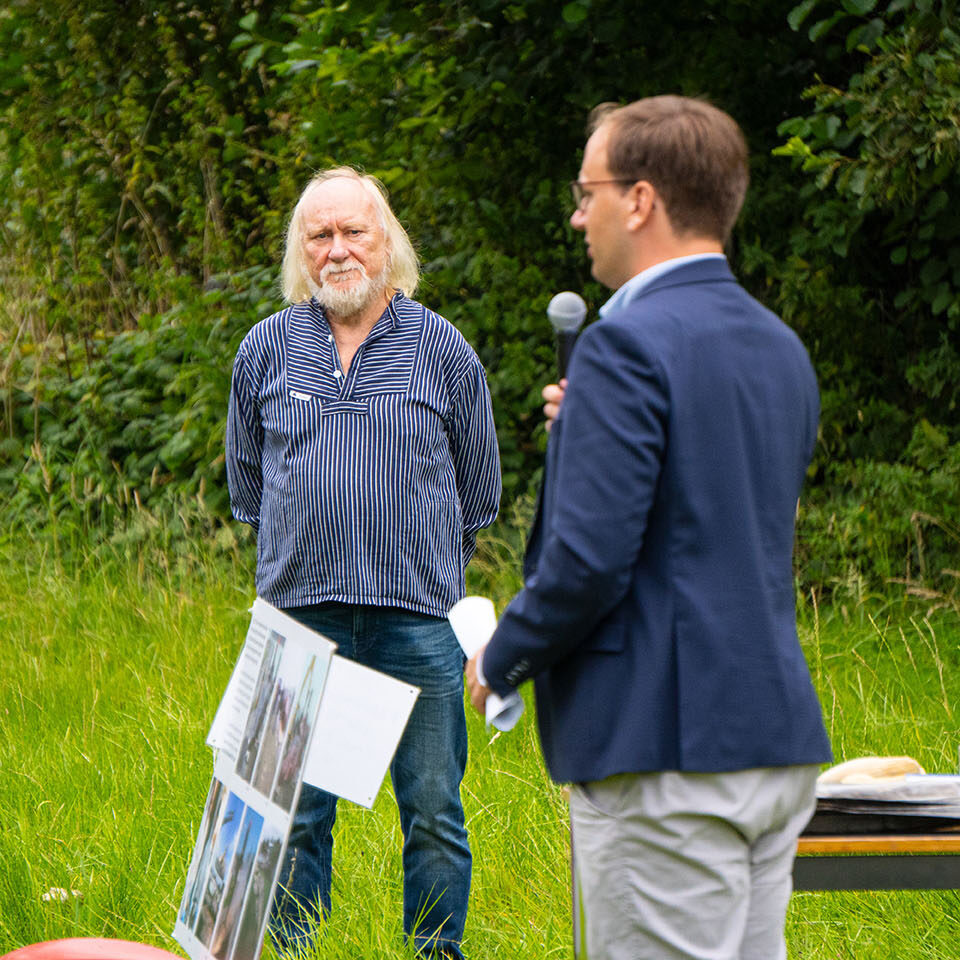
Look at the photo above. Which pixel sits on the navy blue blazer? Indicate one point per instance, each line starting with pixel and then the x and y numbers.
pixel 658 616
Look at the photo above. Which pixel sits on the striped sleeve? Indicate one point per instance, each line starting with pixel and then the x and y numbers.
pixel 476 458
pixel 244 445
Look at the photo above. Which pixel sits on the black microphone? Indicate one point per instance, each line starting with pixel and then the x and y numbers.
pixel 566 312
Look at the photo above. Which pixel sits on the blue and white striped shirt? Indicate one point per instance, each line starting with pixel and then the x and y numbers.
pixel 367 488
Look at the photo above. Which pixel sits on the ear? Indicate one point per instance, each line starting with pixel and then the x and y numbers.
pixel 642 198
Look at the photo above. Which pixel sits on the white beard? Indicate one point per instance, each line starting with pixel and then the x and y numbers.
pixel 349 301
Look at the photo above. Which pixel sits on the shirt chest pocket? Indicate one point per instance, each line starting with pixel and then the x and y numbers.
pixel 305 420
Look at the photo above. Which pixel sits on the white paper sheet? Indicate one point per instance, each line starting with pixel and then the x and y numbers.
pixel 912 788
pixel 361 719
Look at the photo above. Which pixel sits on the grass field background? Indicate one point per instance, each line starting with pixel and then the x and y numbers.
pixel 114 669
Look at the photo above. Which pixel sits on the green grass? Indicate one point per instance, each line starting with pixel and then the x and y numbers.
pixel 114 668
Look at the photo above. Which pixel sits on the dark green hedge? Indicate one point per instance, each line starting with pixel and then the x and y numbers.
pixel 149 154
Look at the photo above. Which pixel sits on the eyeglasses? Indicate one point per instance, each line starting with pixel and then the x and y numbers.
pixel 579 194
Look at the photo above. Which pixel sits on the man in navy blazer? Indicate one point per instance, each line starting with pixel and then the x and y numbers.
pixel 657 617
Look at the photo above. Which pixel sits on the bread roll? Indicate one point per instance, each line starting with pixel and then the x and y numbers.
pixel 870 769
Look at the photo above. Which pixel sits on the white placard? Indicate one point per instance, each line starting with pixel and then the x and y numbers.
pixel 362 717
pixel 261 737
pixel 292 711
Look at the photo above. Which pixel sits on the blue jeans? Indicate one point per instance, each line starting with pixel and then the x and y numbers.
pixel 426 772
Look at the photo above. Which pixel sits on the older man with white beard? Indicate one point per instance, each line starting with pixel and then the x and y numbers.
pixel 361 447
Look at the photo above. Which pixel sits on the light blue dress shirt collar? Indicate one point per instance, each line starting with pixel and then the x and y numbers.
pixel 644 278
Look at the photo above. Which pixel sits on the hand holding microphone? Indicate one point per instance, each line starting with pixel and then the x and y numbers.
pixel 566 312
pixel 553 393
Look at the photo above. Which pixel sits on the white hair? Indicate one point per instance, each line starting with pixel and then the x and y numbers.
pixel 403 266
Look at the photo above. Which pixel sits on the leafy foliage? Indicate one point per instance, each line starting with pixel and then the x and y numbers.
pixel 183 137
pixel 140 430
pixel 881 158
pixel 136 149
pixel 149 154
pixel 870 276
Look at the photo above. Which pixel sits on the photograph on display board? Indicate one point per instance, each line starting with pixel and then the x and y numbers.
pixel 225 913
pixel 224 838
pixel 293 667
pixel 266 681
pixel 198 872
pixel 251 933
pixel 240 871
pixel 294 752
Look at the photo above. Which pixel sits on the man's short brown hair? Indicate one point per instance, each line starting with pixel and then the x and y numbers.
pixel 693 154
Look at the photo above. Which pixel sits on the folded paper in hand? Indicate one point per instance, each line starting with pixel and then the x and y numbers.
pixel 473 620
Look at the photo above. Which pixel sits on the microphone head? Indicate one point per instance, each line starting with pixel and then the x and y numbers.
pixel 566 312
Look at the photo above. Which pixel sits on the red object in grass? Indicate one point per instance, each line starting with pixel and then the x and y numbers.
pixel 90 948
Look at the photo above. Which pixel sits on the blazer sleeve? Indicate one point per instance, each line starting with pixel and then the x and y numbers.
pixel 611 436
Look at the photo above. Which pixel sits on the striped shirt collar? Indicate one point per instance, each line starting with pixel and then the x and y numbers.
pixel 388 320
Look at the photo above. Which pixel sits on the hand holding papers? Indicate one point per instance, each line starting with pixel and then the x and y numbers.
pixel 473 620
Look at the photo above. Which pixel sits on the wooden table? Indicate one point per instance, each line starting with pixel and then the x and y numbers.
pixel 878 862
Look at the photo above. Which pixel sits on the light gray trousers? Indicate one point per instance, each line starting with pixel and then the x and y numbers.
pixel 687 866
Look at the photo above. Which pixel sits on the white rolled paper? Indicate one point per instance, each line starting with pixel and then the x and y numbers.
pixel 473 620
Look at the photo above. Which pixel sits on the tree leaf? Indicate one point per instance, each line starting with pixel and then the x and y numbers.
pixel 865 37
pixel 574 13
pixel 799 13
pixel 859 8
pixel 254 54
pixel 932 271
pixel 945 296
pixel 822 27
